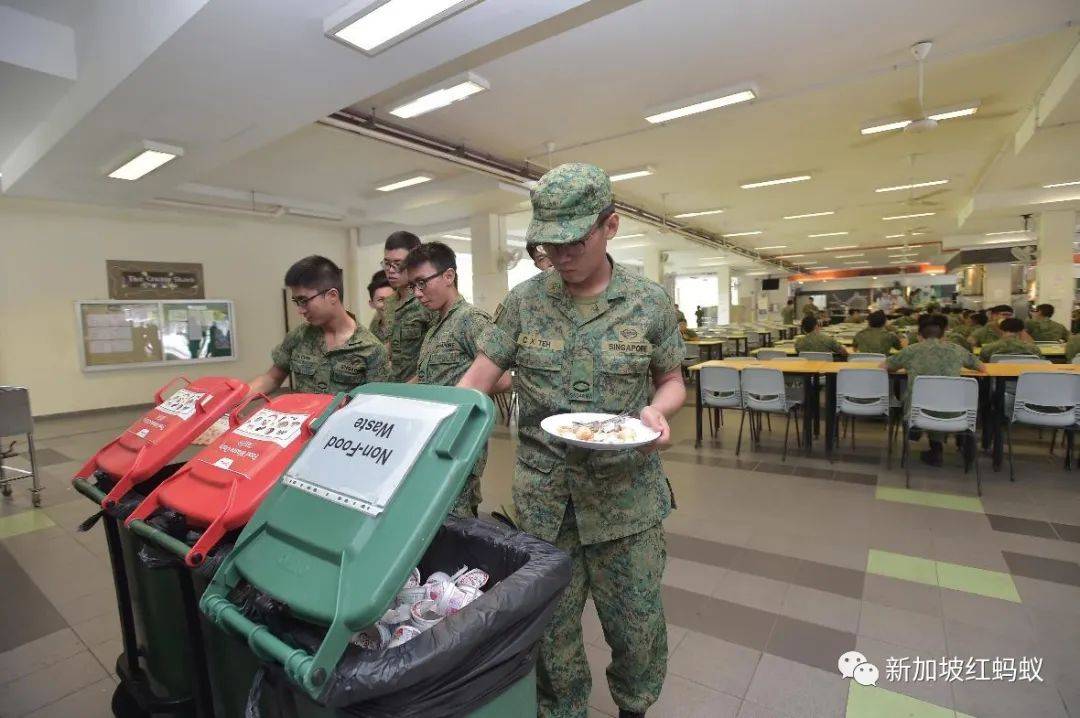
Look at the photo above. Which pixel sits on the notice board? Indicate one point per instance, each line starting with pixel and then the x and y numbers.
pixel 126 334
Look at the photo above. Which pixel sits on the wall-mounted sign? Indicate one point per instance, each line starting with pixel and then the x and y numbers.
pixel 154 280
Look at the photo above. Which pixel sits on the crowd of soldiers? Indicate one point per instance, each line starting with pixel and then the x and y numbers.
pixel 583 335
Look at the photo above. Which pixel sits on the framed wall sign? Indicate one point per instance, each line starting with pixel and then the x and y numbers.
pixel 154 280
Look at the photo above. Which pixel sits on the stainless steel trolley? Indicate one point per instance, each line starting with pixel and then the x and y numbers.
pixel 16 421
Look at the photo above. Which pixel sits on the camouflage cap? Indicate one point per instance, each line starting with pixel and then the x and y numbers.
pixel 566 202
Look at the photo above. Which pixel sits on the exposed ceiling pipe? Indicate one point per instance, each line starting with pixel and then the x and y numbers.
pixel 522 174
pixel 272 213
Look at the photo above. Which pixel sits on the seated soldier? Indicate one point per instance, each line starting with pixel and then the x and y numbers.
pixel 1010 342
pixel 1044 329
pixel 876 339
pixel 855 316
pixel 812 340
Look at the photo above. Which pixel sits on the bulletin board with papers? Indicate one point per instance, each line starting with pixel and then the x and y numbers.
pixel 127 334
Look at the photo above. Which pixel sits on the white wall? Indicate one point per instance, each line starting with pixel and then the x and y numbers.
pixel 52 254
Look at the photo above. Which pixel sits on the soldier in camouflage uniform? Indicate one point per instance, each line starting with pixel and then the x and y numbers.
pixel 1010 342
pixel 591 336
pixel 379 290
pixel 812 340
pixel 1044 329
pixel 876 339
pixel 1072 347
pixel 452 343
pixel 931 357
pixel 407 319
pixel 330 352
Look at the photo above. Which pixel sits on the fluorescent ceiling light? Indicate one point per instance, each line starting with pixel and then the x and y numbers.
pixel 702 213
pixel 629 236
pixel 154 155
pixel 810 261
pixel 1061 184
pixel 445 93
pixel 822 269
pixel 848 256
pixel 909 216
pixel 631 174
pixel 811 214
pixel 744 234
pixel 842 246
pixel 703 103
pixel 770 183
pixel 1007 241
pixel 459 237
pixel 900 261
pixel 409 181
pixel 905 254
pixel 916 185
pixel 861 261
pixel 788 256
pixel 945 113
pixel 827 234
pixel 374 26
pixel 771 246
pixel 756 274
pixel 904 234
pixel 1011 231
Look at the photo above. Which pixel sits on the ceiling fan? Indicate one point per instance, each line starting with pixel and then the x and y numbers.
pixel 912 201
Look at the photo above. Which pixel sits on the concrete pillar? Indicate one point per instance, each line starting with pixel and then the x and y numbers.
pixel 1054 281
pixel 723 290
pixel 652 265
pixel 489 273
pixel 365 252
pixel 997 285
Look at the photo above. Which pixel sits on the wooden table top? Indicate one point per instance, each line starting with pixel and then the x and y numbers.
pixel 805 366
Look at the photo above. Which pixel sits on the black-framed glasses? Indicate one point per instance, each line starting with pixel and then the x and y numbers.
pixel 396 265
pixel 421 283
pixel 302 302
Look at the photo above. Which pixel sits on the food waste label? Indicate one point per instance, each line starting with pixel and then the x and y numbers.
pixel 363 452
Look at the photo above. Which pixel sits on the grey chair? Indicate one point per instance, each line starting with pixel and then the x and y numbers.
pixel 817 356
pixel 865 356
pixel 767 354
pixel 1046 399
pixel 720 389
pixel 15 421
pixel 764 392
pixel 864 392
pixel 944 404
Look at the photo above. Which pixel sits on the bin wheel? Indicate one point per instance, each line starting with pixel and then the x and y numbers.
pixel 124 704
pixel 35 499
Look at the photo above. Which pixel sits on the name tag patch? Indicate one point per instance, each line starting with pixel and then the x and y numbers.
pixel 536 341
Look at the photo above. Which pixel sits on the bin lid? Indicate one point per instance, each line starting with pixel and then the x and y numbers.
pixel 337 537
pixel 222 486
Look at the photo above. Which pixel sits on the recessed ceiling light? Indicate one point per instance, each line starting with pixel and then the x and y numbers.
pixel 909 216
pixel 916 185
pixel 439 96
pixel 701 103
pixel 154 155
pixel 788 256
pixel 702 213
pixel 827 234
pixel 1061 184
pixel 780 180
pixel 409 181
pixel 459 237
pixel 810 214
pixel 771 246
pixel 846 256
pixel 371 27
pixel 629 236
pixel 842 246
pixel 744 234
pixel 631 174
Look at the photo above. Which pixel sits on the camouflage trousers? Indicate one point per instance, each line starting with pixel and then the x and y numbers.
pixel 624 578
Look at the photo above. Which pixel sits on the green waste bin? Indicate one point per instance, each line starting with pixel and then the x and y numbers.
pixel 333 543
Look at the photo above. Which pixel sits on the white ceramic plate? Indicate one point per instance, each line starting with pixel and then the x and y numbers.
pixel 643 434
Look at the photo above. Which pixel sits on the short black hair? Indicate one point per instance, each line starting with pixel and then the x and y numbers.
pixel 853 311
pixel 1047 310
pixel 809 323
pixel 378 281
pixel 876 319
pixel 980 318
pixel 1001 309
pixel 930 330
pixel 316 272
pixel 437 254
pixel 904 311
pixel 1012 325
pixel 531 248
pixel 791 301
pixel 402 240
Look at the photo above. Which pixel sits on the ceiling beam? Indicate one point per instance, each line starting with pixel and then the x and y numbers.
pixel 1042 113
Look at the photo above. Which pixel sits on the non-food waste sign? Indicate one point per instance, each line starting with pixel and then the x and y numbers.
pixel 363 452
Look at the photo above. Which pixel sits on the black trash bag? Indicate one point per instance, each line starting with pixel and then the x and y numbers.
pixel 464 661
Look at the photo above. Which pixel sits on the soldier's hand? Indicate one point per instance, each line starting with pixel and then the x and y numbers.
pixel 655 419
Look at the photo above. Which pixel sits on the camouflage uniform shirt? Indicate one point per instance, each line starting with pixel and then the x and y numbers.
pixel 787 314
pixel 1072 347
pixel 818 342
pixel 379 328
pixel 876 340
pixel 449 348
pixel 981 336
pixel 1008 345
pixel 360 360
pixel 406 324
pixel 931 357
pixel 570 360
pixel 1046 330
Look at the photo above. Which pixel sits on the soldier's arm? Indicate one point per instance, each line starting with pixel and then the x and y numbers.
pixel 496 350
pixel 268 381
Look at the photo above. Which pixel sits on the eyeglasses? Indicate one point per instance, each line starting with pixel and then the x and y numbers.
pixel 421 283
pixel 302 302
pixel 576 248
pixel 388 264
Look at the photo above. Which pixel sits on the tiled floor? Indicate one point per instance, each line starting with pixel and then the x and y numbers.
pixel 775 569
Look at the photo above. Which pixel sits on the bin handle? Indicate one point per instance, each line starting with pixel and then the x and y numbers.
pixel 234 415
pixel 158 398
pixel 159 537
pixel 340 400
pixel 88 490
